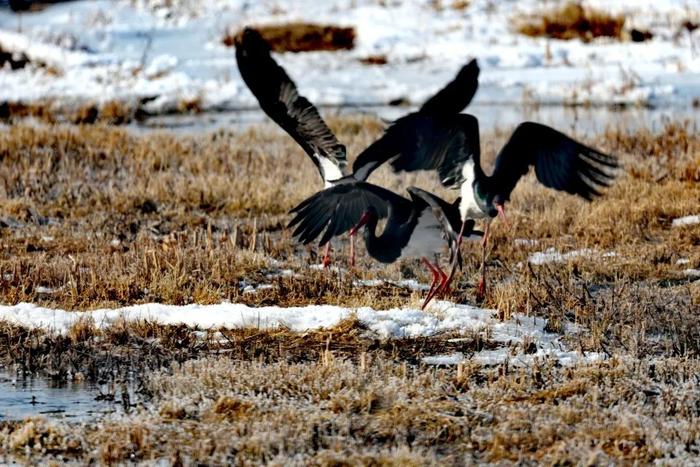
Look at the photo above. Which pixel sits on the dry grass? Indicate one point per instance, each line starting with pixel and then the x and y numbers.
pixel 104 218
pixel 572 21
pixel 302 37
pixel 48 111
pixel 218 411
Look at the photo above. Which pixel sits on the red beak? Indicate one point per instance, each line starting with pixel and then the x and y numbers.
pixel 363 220
pixel 502 213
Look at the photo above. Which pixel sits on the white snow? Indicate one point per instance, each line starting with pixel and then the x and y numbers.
pixel 525 242
pixel 172 52
pixel 687 220
pixel 394 323
pixel 47 290
pixel 682 261
pixel 551 255
pixel 692 273
pixel 451 359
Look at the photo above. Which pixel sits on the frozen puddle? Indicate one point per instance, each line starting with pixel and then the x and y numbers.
pixel 39 396
pixel 514 335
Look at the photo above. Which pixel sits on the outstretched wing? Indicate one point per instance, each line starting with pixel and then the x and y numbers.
pixel 424 142
pixel 279 98
pixel 337 209
pixel 458 93
pixel 448 217
pixel 560 163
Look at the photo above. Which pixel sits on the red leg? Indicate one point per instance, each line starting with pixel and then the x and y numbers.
pixel 455 260
pixel 327 256
pixel 352 250
pixel 444 288
pixel 437 277
pixel 481 289
pixel 486 234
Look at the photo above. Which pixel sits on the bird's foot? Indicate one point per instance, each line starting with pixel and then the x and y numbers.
pixel 326 261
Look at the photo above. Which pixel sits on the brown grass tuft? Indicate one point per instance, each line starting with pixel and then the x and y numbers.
pixel 572 21
pixel 375 60
pixel 230 408
pixel 302 37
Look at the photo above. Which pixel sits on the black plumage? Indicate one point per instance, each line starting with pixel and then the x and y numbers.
pixel 420 227
pixel 279 98
pixel 448 143
pixel 456 95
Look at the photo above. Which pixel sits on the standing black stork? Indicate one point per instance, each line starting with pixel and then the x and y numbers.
pixel 416 228
pixel 450 144
pixel 280 100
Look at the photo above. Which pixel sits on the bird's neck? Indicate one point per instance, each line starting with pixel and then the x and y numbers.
pixel 385 247
pixel 474 192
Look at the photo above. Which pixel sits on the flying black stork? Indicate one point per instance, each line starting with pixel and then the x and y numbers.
pixel 280 100
pixel 417 228
pixel 450 145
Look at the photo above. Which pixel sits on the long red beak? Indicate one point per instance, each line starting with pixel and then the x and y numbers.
pixel 502 213
pixel 363 220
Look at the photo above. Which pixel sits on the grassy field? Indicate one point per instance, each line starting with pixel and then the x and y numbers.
pixel 94 216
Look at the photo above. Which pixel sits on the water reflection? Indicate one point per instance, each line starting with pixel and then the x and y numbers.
pixel 33 395
pixel 575 119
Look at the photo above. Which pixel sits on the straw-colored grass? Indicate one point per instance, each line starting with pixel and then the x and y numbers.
pixel 302 37
pixel 336 412
pixel 95 216
pixel 571 21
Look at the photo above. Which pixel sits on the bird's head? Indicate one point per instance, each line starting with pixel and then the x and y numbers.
pixel 497 208
pixel 368 217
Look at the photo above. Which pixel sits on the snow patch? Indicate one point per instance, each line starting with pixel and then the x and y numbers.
pixel 551 255
pixel 692 273
pixel 179 46
pixel 687 220
pixel 441 317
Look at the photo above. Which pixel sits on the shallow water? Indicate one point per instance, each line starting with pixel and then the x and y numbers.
pixel 579 119
pixel 28 396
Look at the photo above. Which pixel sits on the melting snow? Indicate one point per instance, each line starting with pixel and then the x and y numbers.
pixel 692 273
pixel 395 323
pixel 551 255
pixel 687 220
pixel 150 49
pixel 525 242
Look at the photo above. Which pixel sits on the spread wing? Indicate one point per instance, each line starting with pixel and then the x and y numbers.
pixel 337 209
pixel 424 142
pixel 448 217
pixel 560 163
pixel 457 94
pixel 279 98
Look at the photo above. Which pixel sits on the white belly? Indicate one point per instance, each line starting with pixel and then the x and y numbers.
pixel 468 207
pixel 330 171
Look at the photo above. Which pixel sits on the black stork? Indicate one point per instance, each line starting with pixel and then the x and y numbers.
pixel 417 228
pixel 450 145
pixel 280 100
